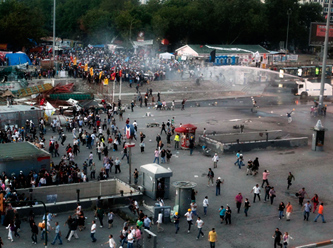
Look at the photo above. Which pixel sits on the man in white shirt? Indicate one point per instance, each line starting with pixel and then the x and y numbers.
pixel 130 239
pixel 189 218
pixel 159 222
pixel 256 190
pixel 93 231
pixel 215 160
pixel 205 204
pixel 111 242
pixel 200 224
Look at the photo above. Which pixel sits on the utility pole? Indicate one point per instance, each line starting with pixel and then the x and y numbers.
pixel 323 69
pixel 288 13
pixel 54 20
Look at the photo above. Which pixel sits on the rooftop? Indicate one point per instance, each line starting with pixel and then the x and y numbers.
pixel 20 151
pixel 17 108
pixel 200 49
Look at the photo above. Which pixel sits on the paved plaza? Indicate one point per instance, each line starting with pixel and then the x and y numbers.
pixel 312 170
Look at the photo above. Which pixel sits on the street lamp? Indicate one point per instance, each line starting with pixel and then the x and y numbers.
pixel 288 13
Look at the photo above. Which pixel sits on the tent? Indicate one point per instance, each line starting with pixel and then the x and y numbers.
pixel 17 58
pixel 167 56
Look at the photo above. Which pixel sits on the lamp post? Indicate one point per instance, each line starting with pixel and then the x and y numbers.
pixel 288 13
pixel 54 20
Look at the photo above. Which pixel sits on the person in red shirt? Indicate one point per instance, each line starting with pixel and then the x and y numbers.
pixel 320 213
pixel 315 201
pixel 98 123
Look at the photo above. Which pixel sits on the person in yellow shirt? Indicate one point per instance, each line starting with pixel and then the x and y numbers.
pixel 177 139
pixel 212 238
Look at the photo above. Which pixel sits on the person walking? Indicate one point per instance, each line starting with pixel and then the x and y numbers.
pixel 277 238
pixel 289 179
pixel 265 178
pixel 320 213
pixel 189 218
pixel 281 210
pixel 286 239
pixel 218 186
pixel 212 238
pixel 228 216
pixel 200 224
pixel 10 229
pixel 177 140
pixel 237 156
pixel 57 234
pixel 215 160
pixel 69 223
pixel 289 210
pixel 93 231
pixel 315 201
pixel 238 200
pixel 111 242
pixel 301 195
pixel 74 225
pixel 272 195
pixel 34 231
pixel 110 219
pixel 205 204
pixel 222 213
pixel 159 222
pixel 247 205
pixel 194 207
pixel 256 191
pixel 176 221
pixel 210 176
pixel 267 189
pixel 307 209
pixel 157 156
pixel 100 215
pixel 136 176
pixel 255 167
pixel 117 165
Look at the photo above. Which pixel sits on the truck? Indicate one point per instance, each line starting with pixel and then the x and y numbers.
pixel 306 88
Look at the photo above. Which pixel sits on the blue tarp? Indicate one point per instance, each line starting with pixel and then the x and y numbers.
pixel 98 46
pixel 17 58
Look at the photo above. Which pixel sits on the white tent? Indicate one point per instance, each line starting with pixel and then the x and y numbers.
pixel 167 56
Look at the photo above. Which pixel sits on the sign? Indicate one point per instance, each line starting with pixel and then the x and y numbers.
pixel 318 32
pixel 129 130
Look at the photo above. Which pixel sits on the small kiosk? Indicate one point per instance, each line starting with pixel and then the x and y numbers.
pixel 156 181
pixel 185 132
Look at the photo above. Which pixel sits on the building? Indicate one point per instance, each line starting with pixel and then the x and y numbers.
pixel 323 3
pixel 23 156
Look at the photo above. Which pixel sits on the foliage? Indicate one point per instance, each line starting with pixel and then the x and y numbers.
pixel 180 21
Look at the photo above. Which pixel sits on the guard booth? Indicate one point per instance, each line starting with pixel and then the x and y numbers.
pixel 318 137
pixel 156 181
pixel 183 195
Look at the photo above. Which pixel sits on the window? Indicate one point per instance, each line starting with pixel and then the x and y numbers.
pixel 300 86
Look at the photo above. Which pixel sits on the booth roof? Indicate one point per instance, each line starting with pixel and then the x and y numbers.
pixel 156 169
pixel 180 130
pixel 189 126
pixel 20 151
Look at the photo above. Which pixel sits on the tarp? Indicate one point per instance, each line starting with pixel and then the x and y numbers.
pixel 17 58
pixel 166 56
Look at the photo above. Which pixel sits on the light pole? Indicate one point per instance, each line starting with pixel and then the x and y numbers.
pixel 288 13
pixel 54 20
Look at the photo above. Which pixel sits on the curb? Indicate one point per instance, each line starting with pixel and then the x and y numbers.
pixel 319 244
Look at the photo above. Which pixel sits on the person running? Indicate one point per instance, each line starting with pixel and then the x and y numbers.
pixel 320 213
pixel 286 240
pixel 176 221
pixel 247 205
pixel 277 238
pixel 289 210
pixel 256 191
pixel 212 238
pixel 200 224
pixel 301 195
pixel 289 179
pixel 189 218
pixel 307 209
pixel 265 178
pixel 111 242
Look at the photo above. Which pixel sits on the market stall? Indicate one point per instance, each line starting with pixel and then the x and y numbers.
pixel 185 131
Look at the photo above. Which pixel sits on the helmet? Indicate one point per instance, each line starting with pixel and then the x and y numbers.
pixel 189 210
pixel 176 213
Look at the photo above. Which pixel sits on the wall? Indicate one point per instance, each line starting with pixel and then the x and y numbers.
pixel 24 165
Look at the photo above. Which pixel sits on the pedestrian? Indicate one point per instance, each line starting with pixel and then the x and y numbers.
pixel 255 167
pixel 212 238
pixel 158 139
pixel 237 156
pixel 117 165
pixel 218 186
pixel 277 238
pixel 194 208
pixel 57 234
pixel 100 215
pixel 191 145
pixel 11 229
pixel 111 242
pixel 222 213
pixel 189 218
pixel 239 200
pixel 157 156
pixel 289 209
pixel 228 216
pixel 159 222
pixel 289 179
pixel 74 225
pixel 265 178
pixel 247 205
pixel 249 167
pixel 34 231
pixel 315 201
pixel 215 160
pixel 301 195
pixel 183 104
pixel 136 176
pixel 286 240
pixel 210 176
pixel 163 128
pixel 281 210
pixel 267 189
pixel 200 224
pixel 93 231
pixel 130 239
pixel 177 140
pixel 256 191
pixel 272 195
pixel 289 117
pixel 110 219
pixel 138 237
pixel 320 213
pixel 307 209
pixel 205 204
pixel 176 221
pixel 69 223
pixel 146 222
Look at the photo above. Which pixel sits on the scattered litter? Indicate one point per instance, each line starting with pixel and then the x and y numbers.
pixel 176 156
pixel 235 120
pixel 196 176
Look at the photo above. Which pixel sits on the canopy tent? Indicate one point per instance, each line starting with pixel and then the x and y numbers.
pixel 167 56
pixel 17 58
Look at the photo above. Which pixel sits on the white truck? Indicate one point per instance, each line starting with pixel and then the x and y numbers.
pixel 306 88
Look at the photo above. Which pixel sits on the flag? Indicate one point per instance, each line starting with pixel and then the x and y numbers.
pixel 90 46
pixel 128 131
